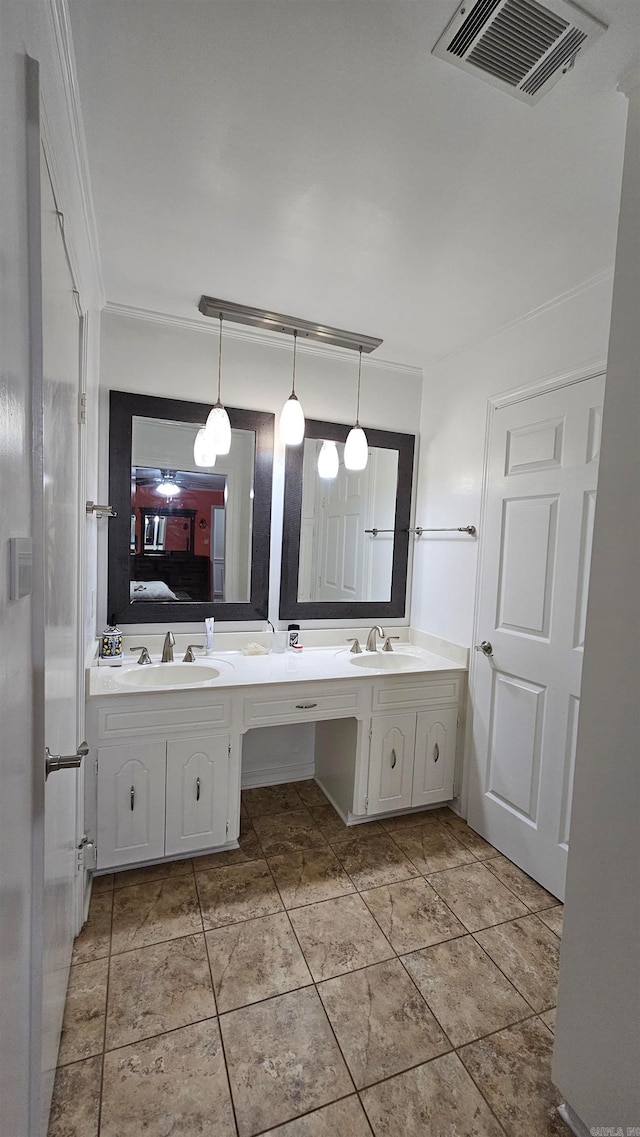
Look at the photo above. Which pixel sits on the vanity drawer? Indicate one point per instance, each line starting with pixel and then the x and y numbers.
pixel 393 695
pixel 301 705
pixel 120 719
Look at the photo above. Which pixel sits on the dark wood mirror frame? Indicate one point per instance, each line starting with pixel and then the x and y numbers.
pixel 123 408
pixel 293 609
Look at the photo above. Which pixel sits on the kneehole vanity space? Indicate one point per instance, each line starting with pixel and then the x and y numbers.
pixel 168 764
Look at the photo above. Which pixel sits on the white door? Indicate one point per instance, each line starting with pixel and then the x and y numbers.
pixel 341 524
pixel 131 795
pixel 435 756
pixel 534 578
pixel 60 437
pixel 391 753
pixel 197 784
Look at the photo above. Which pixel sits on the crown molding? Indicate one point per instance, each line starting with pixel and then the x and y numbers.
pixel 59 13
pixel 254 336
pixel 585 285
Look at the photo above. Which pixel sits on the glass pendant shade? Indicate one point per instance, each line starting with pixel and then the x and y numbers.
pixel 218 430
pixel 203 452
pixel 328 461
pixel 292 422
pixel 356 449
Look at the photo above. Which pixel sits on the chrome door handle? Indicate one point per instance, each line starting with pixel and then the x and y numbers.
pixel 485 647
pixel 393 759
pixel 53 762
pixel 436 752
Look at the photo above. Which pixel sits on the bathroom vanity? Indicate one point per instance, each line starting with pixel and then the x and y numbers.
pixel 164 774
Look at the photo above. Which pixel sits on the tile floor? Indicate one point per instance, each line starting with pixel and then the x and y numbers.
pixel 395 979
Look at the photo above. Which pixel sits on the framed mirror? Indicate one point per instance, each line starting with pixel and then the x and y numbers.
pixel 188 542
pixel 333 565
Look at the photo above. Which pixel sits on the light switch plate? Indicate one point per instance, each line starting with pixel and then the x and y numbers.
pixel 20 567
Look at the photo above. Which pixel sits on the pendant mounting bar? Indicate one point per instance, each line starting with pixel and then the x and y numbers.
pixel 275 322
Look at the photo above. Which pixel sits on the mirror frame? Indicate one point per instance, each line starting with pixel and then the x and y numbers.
pixel 293 609
pixel 123 408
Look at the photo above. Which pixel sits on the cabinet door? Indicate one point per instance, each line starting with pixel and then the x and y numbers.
pixel 435 756
pixel 130 803
pixel 197 784
pixel 391 762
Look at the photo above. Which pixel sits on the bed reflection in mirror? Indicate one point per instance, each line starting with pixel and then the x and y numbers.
pixel 339 560
pixel 191 528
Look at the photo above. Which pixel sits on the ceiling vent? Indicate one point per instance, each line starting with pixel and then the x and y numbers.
pixel 522 46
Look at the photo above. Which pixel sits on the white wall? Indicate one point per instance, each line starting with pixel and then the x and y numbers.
pixel 597 1053
pixel 25 27
pixel 565 336
pixel 178 360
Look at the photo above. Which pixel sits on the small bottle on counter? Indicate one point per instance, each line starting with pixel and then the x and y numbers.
pixel 111 644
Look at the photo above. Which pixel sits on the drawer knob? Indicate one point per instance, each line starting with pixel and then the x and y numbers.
pixel 305 706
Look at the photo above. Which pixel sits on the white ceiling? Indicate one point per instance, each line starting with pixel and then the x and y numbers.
pixel 313 157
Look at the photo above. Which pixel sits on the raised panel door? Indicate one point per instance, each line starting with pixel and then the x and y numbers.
pixel 197 786
pixel 131 794
pixel 435 756
pixel 391 762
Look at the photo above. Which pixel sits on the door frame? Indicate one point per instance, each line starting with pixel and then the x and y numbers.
pixel 589 370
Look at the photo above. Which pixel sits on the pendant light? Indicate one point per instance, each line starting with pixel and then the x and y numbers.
pixel 328 461
pixel 292 415
pixel 356 448
pixel 218 427
pixel 203 452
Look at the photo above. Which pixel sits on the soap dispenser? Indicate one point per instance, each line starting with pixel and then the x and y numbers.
pixel 111 644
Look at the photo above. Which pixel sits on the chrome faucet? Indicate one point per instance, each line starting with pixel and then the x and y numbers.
pixel 167 649
pixel 372 637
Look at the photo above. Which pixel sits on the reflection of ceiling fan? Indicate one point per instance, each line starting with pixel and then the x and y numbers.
pixel 186 481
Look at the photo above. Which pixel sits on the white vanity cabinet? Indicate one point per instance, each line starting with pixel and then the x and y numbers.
pixel 131 796
pixel 412 754
pixel 197 788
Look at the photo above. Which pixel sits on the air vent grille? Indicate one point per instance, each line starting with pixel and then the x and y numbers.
pixel 522 46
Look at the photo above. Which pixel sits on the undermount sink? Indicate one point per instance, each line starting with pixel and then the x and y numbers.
pixel 387 661
pixel 168 675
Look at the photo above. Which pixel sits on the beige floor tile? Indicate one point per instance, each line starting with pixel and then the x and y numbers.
pixel 529 954
pixel 476 896
pixel 438 1098
pixel 467 836
pixel 166 870
pixel 75 1105
pixel 408 821
pixel 174 1083
pixel 306 876
pixel 84 1011
pixel 553 918
pixel 333 827
pixel 282 1059
pixel 148 913
pixel 255 960
pixel 431 848
pixel 339 935
pixel 158 988
pixel 270 799
pixel 344 1118
pixel 102 883
pixel 94 941
pixel 281 832
pixel 527 890
pixel 412 915
pixel 381 1021
pixel 310 793
pixel 373 861
pixel 467 993
pixel 239 892
pixel 549 1019
pixel 513 1071
pixel 249 850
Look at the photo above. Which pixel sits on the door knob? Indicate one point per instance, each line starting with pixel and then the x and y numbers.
pixel 53 762
pixel 485 647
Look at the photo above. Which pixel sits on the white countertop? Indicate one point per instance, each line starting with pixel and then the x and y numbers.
pixel 312 664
